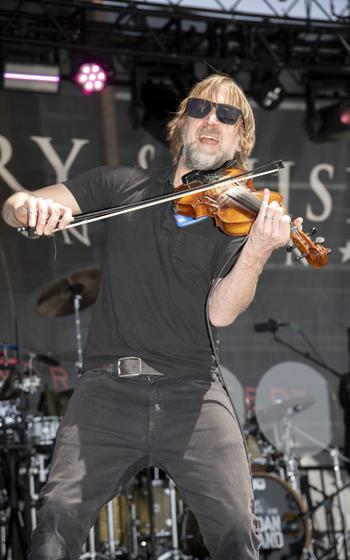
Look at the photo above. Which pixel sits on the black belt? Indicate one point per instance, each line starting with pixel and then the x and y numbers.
pixel 130 366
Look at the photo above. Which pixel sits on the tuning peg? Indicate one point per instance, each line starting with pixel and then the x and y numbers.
pixel 312 232
pixel 290 247
pixel 299 258
pixel 319 240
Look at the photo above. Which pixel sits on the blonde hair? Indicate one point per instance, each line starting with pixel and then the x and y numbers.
pixel 207 88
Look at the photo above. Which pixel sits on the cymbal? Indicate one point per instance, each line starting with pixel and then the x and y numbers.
pixel 278 411
pixel 58 299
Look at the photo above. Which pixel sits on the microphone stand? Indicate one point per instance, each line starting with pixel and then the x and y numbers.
pixel 308 356
pixel 76 291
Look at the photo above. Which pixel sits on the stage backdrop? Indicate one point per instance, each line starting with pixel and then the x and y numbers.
pixel 47 138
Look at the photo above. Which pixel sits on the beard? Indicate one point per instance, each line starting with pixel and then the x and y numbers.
pixel 192 158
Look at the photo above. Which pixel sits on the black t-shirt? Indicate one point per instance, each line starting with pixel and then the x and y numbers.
pixel 156 276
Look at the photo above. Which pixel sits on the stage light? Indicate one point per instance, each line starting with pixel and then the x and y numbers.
pixel 268 92
pixel 344 115
pixel 91 77
pixel 31 77
pixel 330 123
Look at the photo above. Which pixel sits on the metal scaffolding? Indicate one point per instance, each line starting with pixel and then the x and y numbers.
pixel 173 36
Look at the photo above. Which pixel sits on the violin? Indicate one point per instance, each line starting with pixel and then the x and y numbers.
pixel 228 196
pixel 235 210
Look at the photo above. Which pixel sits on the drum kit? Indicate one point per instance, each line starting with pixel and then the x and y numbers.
pixel 149 520
pixel 30 414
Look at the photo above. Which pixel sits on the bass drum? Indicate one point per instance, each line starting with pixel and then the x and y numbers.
pixel 283 530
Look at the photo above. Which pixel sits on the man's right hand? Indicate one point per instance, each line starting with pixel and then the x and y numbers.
pixel 42 214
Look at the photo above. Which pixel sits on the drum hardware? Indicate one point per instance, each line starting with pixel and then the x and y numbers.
pixel 3 532
pixel 92 552
pixel 328 499
pixel 30 380
pixel 92 547
pixel 279 411
pixel 285 432
pixel 278 416
pixel 57 301
pixel 11 422
pixel 262 455
pixel 22 382
pixel 41 430
pixel 38 469
pixel 10 389
pixel 111 535
pixel 71 295
pixel 315 358
pixel 290 462
pixel 175 553
pixel 283 521
pixel 14 542
pixel 112 526
pixel 335 455
pixel 4 504
pixel 133 543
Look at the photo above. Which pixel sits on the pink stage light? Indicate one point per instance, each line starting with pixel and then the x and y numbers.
pixel 344 116
pixel 91 77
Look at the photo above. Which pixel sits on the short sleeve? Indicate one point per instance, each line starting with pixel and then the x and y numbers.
pixel 102 187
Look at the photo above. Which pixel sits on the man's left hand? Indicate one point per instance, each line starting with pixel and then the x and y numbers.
pixel 271 229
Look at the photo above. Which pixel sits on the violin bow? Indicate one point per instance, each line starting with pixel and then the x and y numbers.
pixel 90 217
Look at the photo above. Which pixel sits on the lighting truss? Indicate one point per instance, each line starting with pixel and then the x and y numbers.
pixel 331 10
pixel 228 40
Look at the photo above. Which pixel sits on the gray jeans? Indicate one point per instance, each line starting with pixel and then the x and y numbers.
pixel 114 427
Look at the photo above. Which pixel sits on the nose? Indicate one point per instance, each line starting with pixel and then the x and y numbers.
pixel 211 118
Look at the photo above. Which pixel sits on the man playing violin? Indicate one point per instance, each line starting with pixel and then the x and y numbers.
pixel 151 393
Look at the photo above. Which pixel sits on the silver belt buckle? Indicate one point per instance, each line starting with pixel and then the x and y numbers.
pixel 138 366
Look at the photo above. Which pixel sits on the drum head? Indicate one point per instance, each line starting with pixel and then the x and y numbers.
pixel 282 528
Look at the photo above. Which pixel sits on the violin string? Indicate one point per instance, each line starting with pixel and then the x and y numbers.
pixel 240 195
pixel 244 197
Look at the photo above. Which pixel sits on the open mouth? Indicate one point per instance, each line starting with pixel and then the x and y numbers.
pixel 208 139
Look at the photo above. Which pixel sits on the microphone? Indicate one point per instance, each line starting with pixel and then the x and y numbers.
pixel 270 326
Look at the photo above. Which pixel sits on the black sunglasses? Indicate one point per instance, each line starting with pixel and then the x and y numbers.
pixel 200 108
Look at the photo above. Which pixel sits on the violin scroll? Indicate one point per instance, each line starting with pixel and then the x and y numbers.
pixel 313 251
